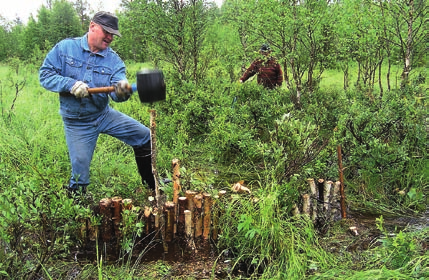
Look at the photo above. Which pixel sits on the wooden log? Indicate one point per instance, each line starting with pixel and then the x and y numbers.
pixel 190 198
pixel 176 190
pixel 326 195
pixel 189 229
pixel 183 203
pixel 148 219
pixel 342 194
pixel 207 215
pixel 155 174
pixel 320 184
pixel 306 204
pixel 313 202
pixel 106 221
pixel 198 212
pixel 169 207
pixel 116 216
pixel 156 221
pixel 334 199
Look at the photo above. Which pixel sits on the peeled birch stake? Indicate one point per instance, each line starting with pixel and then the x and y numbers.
pixel 326 194
pixel 313 191
pixel 198 202
pixel 190 197
pixel 188 229
pixel 207 215
pixel 334 198
pixel 215 218
pixel 306 204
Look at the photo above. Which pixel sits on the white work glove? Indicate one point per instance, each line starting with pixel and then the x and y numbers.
pixel 123 89
pixel 80 90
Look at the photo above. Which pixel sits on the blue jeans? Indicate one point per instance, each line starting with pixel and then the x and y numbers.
pixel 82 135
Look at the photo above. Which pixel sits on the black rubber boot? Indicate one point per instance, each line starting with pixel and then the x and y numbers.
pixel 144 164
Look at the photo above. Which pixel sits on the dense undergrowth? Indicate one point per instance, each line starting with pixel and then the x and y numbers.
pixel 223 133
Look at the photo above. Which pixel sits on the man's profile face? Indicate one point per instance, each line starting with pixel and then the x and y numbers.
pixel 99 39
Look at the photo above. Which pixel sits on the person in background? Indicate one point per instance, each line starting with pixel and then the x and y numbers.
pixel 269 72
pixel 69 69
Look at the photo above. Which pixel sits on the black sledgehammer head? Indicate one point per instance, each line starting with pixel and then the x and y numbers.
pixel 150 85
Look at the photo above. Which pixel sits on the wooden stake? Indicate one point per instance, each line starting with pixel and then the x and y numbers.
pixel 215 218
pixel 116 218
pixel 147 219
pixel 183 202
pixel 169 213
pixel 198 212
pixel 306 204
pixel 106 222
pixel 188 229
pixel 155 174
pixel 326 194
pixel 207 215
pixel 190 197
pixel 313 191
pixel 343 196
pixel 295 210
pixel 176 190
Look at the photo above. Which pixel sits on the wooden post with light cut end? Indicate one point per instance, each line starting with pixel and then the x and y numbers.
pixel 183 203
pixel 147 218
pixel 176 190
pixel 306 204
pixel 313 191
pixel 170 221
pixel 198 212
pixel 189 229
pixel 116 217
pixel 159 205
pixel 207 215
pixel 342 194
pixel 326 195
pixel 190 198
pixel 106 221
pixel 334 199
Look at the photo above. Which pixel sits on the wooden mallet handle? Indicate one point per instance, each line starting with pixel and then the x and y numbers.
pixel 106 89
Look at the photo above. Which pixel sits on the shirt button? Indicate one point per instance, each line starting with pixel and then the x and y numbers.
pixel 89 67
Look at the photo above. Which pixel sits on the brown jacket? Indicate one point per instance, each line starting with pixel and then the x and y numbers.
pixel 269 72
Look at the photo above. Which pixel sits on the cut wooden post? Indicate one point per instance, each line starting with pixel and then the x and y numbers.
pixel 198 212
pixel 190 198
pixel 176 190
pixel 334 199
pixel 326 195
pixel 155 174
pixel 170 221
pixel 116 218
pixel 313 191
pixel 207 215
pixel 215 217
pixel 188 229
pixel 342 194
pixel 147 219
pixel 183 203
pixel 106 221
pixel 306 204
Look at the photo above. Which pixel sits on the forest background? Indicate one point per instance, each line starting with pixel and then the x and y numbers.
pixel 355 75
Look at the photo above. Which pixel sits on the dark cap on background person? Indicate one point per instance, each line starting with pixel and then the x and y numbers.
pixel 265 48
pixel 108 21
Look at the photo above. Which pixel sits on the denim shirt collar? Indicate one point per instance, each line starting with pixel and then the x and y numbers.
pixel 85 46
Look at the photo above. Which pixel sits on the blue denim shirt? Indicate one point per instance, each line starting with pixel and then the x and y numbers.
pixel 71 60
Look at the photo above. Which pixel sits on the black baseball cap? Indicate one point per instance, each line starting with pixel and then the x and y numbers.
pixel 108 21
pixel 265 48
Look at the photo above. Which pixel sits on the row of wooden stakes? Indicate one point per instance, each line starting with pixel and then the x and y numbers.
pixel 323 200
pixel 196 217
